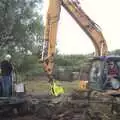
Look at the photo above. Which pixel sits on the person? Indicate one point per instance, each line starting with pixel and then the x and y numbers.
pixel 6 73
pixel 113 75
pixel 113 70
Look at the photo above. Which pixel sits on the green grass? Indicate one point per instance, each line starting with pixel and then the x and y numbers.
pixel 69 86
pixel 38 86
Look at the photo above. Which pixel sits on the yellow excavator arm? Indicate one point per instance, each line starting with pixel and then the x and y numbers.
pixel 50 32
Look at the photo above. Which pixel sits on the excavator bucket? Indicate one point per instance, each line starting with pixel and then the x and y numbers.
pixel 56 89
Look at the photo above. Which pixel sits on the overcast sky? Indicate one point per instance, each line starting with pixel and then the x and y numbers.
pixel 72 40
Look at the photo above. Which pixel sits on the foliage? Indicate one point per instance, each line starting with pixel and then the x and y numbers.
pixel 21 25
pixel 30 65
pixel 21 33
pixel 115 52
pixel 70 60
pixel 76 62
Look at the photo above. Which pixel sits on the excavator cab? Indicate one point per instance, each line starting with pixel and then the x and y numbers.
pixel 99 77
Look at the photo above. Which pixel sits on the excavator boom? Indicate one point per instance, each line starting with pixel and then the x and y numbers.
pixel 88 25
pixel 50 33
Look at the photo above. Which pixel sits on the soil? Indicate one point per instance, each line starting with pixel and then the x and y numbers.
pixel 73 106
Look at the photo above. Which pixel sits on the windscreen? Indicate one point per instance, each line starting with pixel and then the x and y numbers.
pixel 95 81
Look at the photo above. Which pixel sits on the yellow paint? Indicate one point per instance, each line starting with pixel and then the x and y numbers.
pixel 56 90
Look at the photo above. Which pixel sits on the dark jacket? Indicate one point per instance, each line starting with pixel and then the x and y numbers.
pixel 6 68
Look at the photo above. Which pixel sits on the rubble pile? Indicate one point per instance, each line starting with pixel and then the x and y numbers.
pixel 75 106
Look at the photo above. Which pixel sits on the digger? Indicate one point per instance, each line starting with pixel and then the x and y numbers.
pixel 98 79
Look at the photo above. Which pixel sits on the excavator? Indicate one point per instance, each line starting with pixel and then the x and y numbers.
pixel 98 72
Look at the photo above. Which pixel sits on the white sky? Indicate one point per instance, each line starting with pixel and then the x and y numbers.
pixel 72 40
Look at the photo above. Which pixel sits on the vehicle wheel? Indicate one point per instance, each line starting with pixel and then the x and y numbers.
pixel 94 94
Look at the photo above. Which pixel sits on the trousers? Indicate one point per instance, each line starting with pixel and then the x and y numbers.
pixel 7 86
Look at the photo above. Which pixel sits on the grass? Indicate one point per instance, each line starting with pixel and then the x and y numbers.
pixel 37 86
pixel 69 86
pixel 40 86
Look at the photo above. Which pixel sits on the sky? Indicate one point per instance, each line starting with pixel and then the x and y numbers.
pixel 70 37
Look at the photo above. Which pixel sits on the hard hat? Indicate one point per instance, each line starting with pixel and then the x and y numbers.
pixel 8 57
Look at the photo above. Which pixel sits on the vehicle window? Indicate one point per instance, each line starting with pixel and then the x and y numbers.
pixel 95 71
pixel 115 64
pixel 118 63
pixel 95 75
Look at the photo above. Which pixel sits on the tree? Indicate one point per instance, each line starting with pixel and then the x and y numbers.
pixel 21 32
pixel 21 25
pixel 115 52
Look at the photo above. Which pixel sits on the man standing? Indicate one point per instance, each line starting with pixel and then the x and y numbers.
pixel 6 72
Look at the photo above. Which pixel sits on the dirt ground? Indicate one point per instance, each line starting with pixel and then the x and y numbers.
pixel 73 105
